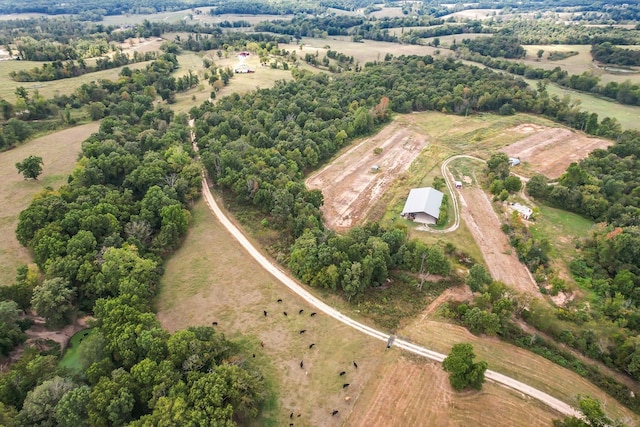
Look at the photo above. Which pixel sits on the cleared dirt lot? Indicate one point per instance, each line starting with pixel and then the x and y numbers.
pixel 484 224
pixel 349 185
pixel 411 392
pixel 551 150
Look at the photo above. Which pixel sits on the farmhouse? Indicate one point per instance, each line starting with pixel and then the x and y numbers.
pixel 423 205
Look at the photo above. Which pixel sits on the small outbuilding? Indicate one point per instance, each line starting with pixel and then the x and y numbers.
pixel 514 161
pixel 525 212
pixel 423 205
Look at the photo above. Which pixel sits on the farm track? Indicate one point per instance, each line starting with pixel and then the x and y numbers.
pixel 296 288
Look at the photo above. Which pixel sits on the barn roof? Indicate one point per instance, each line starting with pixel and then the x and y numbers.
pixel 427 200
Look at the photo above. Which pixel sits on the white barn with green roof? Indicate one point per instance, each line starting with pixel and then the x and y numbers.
pixel 423 205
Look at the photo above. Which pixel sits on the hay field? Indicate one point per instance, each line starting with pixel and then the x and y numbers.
pixel 59 152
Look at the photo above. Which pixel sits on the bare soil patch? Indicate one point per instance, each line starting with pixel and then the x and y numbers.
pixel 409 392
pixel 484 225
pixel 551 150
pixel 350 186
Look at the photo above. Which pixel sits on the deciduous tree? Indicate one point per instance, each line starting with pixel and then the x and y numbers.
pixel 31 167
pixel 463 372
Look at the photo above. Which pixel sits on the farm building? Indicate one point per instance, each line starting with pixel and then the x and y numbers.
pixel 524 211
pixel 423 205
pixel 514 161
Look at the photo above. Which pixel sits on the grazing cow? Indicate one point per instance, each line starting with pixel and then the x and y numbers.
pixel 342 374
pixel 81 339
pixel 85 334
pixel 284 312
pixel 301 311
pixel 313 314
pixel 345 385
pixel 262 344
pixel 279 300
pixel 301 364
pixel 265 313
pixel 355 365
pixel 311 345
pixel 334 413
pixel 254 355
pixel 303 331
pixel 291 415
pixel 214 323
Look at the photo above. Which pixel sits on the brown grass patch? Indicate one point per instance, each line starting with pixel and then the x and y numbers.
pixel 515 362
pixel 412 392
pixel 59 152
pixel 211 278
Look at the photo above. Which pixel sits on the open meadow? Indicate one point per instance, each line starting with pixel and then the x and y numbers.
pixel 411 392
pixel 577 64
pixel 56 87
pixel 59 152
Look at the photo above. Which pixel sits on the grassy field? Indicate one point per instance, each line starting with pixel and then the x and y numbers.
pixel 240 83
pixel 627 115
pixel 576 64
pixel 410 392
pixel 56 87
pixel 369 50
pixel 515 362
pixel 211 278
pixel 59 152
pixel 70 358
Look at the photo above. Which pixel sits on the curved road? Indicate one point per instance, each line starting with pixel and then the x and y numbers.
pixel 295 287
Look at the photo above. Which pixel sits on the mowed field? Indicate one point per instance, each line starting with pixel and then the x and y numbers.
pixel 59 152
pixel 577 64
pixel 411 392
pixel 513 361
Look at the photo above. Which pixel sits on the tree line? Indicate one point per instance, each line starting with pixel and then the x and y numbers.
pixel 58 70
pixel 607 53
pixel 627 93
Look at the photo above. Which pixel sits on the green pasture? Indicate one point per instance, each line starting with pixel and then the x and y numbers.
pixel 71 357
